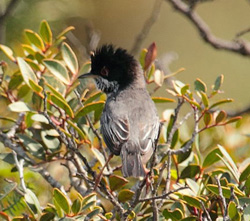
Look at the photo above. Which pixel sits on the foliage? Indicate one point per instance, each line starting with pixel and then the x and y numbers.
pixel 53 118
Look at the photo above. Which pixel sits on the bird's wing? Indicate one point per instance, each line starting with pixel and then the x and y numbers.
pixel 115 132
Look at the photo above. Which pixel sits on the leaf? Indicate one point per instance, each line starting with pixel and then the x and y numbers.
pixel 96 211
pixel 199 85
pixel 58 70
pixel 233 211
pixel 8 52
pixel 65 31
pixel 116 182
pixel 185 89
pixel 125 195
pixel 192 201
pixel 88 108
pixel 207 118
pixel 183 156
pixel 175 215
pixel 45 32
pixel 175 139
pixel 34 39
pixel 162 100
pixel 40 118
pixel 69 58
pixel 190 171
pixel 4 216
pixel 76 206
pixel 79 131
pixel 218 82
pixel 204 98
pixel 31 198
pixel 226 191
pixel 29 49
pixel 245 173
pixel 54 91
pixel 85 68
pixel 62 200
pixel 18 106
pixel 36 88
pixel 221 117
pixel 51 142
pixel 159 77
pixel 233 120
pixel 93 97
pixel 228 100
pixel 212 158
pixel 62 103
pixel 142 57
pixel 26 71
pixel 233 168
pixel 150 55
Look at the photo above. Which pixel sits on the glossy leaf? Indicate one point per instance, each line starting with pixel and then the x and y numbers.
pixel 116 182
pixel 162 100
pixel 233 211
pixel 221 102
pixel 79 131
pixel 175 215
pixel 18 106
pixel 62 103
pixel 142 57
pixel 192 201
pixel 7 51
pixel 54 91
pixel 204 98
pixel 93 97
pixel 62 200
pixel 245 174
pixel 125 195
pixel 190 171
pixel 29 49
pixel 88 108
pixel 212 158
pixel 34 39
pixel 58 70
pixel 35 87
pixel 31 199
pixel 94 212
pixel 26 71
pixel 65 31
pixel 76 206
pixel 69 58
pixel 226 191
pixel 221 117
pixel 46 32
pixel 218 82
pixel 207 118
pixel 199 85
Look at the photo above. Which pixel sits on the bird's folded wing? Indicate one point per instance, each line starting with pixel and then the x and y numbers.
pixel 115 132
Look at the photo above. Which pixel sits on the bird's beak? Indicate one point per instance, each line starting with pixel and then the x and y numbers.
pixel 87 75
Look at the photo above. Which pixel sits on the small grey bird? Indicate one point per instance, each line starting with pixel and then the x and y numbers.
pixel 129 123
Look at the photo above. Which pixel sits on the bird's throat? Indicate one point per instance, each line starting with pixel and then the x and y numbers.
pixel 106 86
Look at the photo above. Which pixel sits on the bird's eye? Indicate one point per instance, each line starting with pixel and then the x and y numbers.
pixel 105 72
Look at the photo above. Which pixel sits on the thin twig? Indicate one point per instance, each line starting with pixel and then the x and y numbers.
pixel 205 210
pixel 240 47
pixel 146 27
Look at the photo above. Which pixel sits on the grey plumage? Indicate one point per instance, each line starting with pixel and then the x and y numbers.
pixel 129 122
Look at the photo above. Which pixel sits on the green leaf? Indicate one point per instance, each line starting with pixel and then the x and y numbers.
pixel 62 103
pixel 190 171
pixel 40 118
pixel 34 39
pixel 85 68
pixel 90 197
pixel 51 142
pixel 183 156
pixel 69 58
pixel 142 57
pixel 76 206
pixel 96 211
pixel 47 216
pixel 221 117
pixel 175 215
pixel 58 70
pixel 46 32
pixel 28 49
pixel 125 195
pixel 207 118
pixel 232 167
pixel 33 147
pixel 204 98
pixel 212 158
pixel 192 201
pixel 33 64
pixel 8 52
pixel 116 182
pixel 62 200
pixel 36 87
pixel 26 71
pixel 88 108
pixel 245 173
pixel 93 97
pixel 185 89
pixel 233 211
pixel 65 31
pixel 226 191
pixel 18 106
pixel 218 82
pixel 54 91
pixel 228 100
pixel 79 131
pixel 199 85
pixel 162 100
pixel 31 199
pixel 175 139
pixel 233 120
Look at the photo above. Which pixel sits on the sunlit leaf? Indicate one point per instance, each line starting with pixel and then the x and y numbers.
pixel 226 191
pixel 221 102
pixel 245 173
pixel 88 108
pixel 175 215
pixel 233 211
pixel 162 100
pixel 31 199
pixel 18 106
pixel 76 206
pixel 62 200
pixel 159 77
pixel 199 85
pixel 116 182
pixel 28 49
pixel 185 89
pixel 65 31
pixel 94 212
pixel 142 57
pixel 211 158
pixel 204 98
pixel 218 82
pixel 125 195
pixel 58 70
pixel 7 51
pixel 93 97
pixel 192 201
pixel 36 88
pixel 46 32
pixel 34 39
pixel 69 58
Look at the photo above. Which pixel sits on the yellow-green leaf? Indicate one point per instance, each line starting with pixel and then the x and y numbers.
pixel 7 51
pixel 65 31
pixel 46 32
pixel 199 85
pixel 162 100
pixel 221 117
pixel 69 58
pixel 125 195
pixel 58 70
pixel 34 39
pixel 35 87
pixel 116 182
pixel 89 107
pixel 62 200
pixel 221 102
pixel 226 191
pixel 218 82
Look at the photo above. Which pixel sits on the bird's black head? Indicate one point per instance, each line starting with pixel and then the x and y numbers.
pixel 112 68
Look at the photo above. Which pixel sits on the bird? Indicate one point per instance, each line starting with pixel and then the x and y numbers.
pixel 130 125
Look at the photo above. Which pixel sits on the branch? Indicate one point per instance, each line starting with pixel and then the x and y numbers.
pixel 240 47
pixel 146 27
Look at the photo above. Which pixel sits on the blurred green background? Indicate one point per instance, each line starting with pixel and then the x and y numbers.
pixel 120 21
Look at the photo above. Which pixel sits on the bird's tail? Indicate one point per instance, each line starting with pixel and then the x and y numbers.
pixel 131 161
